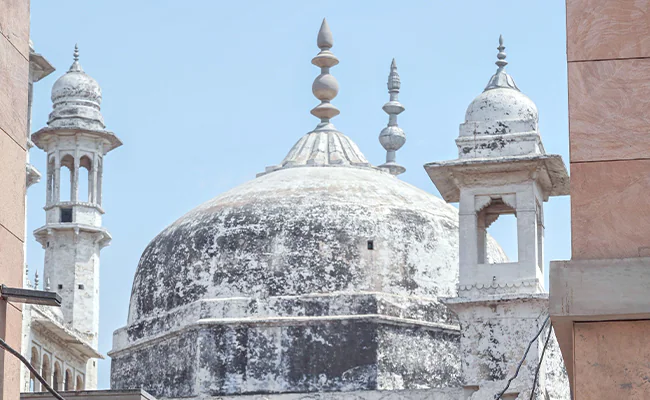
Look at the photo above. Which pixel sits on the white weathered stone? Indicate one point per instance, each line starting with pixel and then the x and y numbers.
pixel 502 169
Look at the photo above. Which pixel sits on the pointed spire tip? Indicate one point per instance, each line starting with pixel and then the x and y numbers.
pixel 325 40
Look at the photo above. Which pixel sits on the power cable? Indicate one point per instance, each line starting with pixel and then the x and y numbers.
pixel 539 365
pixel 498 396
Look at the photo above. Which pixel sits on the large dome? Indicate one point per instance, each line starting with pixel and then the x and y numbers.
pixel 322 274
pixel 303 230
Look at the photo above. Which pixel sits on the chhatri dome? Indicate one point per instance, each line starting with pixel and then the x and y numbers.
pixel 501 104
pixel 321 274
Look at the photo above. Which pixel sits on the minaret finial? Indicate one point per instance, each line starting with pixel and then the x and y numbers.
pixel 501 56
pixel 75 67
pixel 392 137
pixel 325 86
pixel 36 280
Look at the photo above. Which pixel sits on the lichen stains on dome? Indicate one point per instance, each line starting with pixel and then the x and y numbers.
pixel 501 104
pixel 501 109
pixel 303 230
pixel 312 277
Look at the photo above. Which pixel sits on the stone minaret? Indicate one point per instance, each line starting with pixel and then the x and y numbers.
pixel 75 140
pixel 502 168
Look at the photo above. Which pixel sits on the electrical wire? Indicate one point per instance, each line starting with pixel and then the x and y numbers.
pixel 29 366
pixel 539 365
pixel 498 396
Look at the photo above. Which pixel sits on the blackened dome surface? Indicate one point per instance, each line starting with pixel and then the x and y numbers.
pixel 304 230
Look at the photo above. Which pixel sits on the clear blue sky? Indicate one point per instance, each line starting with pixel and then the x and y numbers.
pixel 205 94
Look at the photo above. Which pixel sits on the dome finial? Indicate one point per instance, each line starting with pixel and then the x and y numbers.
pixel 36 280
pixel 501 79
pixel 392 137
pixel 325 86
pixel 501 56
pixel 75 67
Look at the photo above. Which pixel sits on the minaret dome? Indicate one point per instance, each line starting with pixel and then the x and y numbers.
pixel 76 99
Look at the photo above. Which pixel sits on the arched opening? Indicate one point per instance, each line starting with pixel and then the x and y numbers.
pixel 46 371
pixel 496 218
pixel 69 381
pixel 35 361
pixel 57 379
pixel 504 231
pixel 80 383
pixel 66 176
pixel 85 185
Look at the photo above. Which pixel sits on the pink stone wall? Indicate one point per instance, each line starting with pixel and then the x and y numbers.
pixel 612 360
pixel 14 69
pixel 608 47
pixel 608 53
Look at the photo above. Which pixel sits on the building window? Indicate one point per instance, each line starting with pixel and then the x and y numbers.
pixel 60 286
pixel 66 215
pixel 81 286
pixel 371 245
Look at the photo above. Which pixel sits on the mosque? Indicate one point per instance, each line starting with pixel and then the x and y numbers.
pixel 325 276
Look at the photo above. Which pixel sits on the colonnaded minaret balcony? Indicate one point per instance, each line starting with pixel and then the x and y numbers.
pixel 76 142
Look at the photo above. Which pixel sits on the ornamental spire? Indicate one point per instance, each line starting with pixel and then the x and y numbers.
pixel 325 86
pixel 36 280
pixel 501 56
pixel 501 79
pixel 392 137
pixel 75 67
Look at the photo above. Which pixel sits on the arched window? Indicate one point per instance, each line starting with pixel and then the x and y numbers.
pixel 69 381
pixel 66 176
pixel 57 381
pixel 85 184
pixel 46 371
pixel 80 383
pixel 35 361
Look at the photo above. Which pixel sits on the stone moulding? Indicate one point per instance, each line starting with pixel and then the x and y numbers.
pixel 447 175
pixel 589 290
pixel 381 308
pixel 288 321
